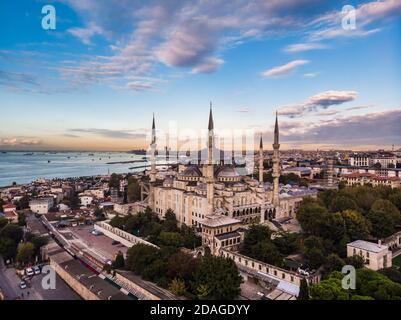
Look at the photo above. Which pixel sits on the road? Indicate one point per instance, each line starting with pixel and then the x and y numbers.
pixel 9 283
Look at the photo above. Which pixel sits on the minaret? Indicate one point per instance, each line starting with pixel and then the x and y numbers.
pixel 153 153
pixel 210 167
pixel 276 166
pixel 261 160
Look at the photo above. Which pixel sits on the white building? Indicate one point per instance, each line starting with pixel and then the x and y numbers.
pixel 41 205
pixel 376 255
pixel 86 200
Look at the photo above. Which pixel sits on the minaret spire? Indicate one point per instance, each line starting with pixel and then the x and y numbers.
pixel 276 167
pixel 261 159
pixel 153 152
pixel 211 124
pixel 209 179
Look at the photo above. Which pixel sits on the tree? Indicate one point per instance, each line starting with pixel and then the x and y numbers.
pixel 173 239
pixel 23 203
pixel 303 290
pixel 133 190
pixel 395 198
pixel 140 256
pixel 267 252
pixel 356 261
pixel 330 288
pixel 341 203
pixel 182 265
pixel 119 261
pixel 356 225
pixel 333 263
pixel 254 235
pixel 25 252
pixel 287 243
pixel 170 221
pixel 177 286
pixel 21 219
pixel 12 232
pixel 114 181
pixel 312 216
pixel 382 224
pixel 314 251
pixel 8 248
pixel 3 222
pixel 388 208
pixel 217 278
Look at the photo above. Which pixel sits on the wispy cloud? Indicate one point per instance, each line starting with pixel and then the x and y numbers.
pixel 284 69
pixel 19 141
pixel 116 134
pixel 319 101
pixel 300 47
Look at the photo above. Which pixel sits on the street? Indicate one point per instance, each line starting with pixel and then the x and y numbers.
pixel 9 283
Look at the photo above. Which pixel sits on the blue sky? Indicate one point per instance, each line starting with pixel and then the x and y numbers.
pixel 94 82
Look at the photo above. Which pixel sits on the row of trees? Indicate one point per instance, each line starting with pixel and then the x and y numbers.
pixel 165 232
pixel 370 285
pixel 206 277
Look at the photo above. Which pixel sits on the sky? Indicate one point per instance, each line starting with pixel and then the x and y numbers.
pixel 93 83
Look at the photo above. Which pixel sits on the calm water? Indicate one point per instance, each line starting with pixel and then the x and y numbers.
pixel 21 168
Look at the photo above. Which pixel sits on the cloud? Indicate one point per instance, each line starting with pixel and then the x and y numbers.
pixel 349 131
pixel 284 69
pixel 19 141
pixel 115 134
pixel 85 34
pixel 319 101
pixel 329 25
pixel 209 65
pixel 311 75
pixel 178 34
pixel 300 47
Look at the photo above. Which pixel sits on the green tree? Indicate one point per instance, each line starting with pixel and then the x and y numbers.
pixel 395 198
pixel 119 261
pixel 173 239
pixel 382 223
pixel 388 208
pixel 140 256
pixel 8 248
pixel 267 252
pixel 177 286
pixel 303 290
pixel 341 203
pixel 21 219
pixel 133 190
pixel 25 253
pixel 219 277
pixel 12 232
pixel 333 263
pixel 356 261
pixel 330 288
pixel 23 203
pixel 170 221
pixel 357 226
pixel 312 216
pixel 3 222
pixel 254 235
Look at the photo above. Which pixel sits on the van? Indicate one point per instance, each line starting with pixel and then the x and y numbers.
pixel 29 272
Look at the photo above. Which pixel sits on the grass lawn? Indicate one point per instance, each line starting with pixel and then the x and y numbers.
pixel 397 261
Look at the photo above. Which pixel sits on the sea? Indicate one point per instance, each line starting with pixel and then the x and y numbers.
pixel 24 167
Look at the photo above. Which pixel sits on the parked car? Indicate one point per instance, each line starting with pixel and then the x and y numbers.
pixel 22 285
pixel 29 272
pixel 37 270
